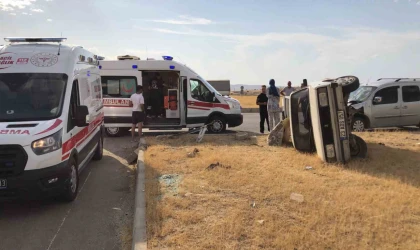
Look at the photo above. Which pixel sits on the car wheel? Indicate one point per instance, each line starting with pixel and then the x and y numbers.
pixel 217 125
pixel 349 83
pixel 358 124
pixel 115 131
pixel 72 186
pixel 358 148
pixel 99 151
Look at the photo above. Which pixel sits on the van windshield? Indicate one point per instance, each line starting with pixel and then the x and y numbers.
pixel 361 94
pixel 31 96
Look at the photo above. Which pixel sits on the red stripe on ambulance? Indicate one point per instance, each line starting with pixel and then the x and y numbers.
pixel 80 137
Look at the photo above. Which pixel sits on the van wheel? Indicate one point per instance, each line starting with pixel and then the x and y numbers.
pixel 358 148
pixel 72 186
pixel 115 131
pixel 351 84
pixel 217 125
pixel 99 151
pixel 358 124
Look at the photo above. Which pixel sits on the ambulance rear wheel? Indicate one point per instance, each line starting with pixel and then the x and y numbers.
pixel 217 125
pixel 358 148
pixel 115 131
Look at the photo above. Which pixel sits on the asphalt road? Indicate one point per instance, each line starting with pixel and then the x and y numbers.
pixel 251 124
pixel 100 218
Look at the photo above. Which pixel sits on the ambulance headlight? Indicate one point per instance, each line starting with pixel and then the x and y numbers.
pixel 234 105
pixel 47 144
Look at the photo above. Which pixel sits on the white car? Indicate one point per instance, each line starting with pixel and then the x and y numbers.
pixel 320 122
pixel 387 102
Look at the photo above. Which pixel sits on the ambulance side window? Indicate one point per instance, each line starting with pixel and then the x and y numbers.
pixel 74 102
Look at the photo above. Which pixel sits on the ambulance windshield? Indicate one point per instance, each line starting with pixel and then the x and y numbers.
pixel 31 96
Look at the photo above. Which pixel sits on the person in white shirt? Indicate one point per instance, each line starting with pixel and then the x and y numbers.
pixel 137 102
pixel 287 90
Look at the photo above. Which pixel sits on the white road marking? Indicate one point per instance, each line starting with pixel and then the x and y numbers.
pixel 67 214
pixel 59 228
pixel 81 188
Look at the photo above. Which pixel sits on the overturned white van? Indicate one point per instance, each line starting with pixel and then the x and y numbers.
pixel 187 100
pixel 51 117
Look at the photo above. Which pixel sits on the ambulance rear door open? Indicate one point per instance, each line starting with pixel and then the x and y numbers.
pixel 117 88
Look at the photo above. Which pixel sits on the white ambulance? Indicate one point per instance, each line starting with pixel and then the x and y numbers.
pixel 176 97
pixel 51 117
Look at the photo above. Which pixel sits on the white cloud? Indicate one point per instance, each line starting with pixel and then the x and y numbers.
pixel 37 10
pixel 185 20
pixel 294 56
pixel 13 14
pixel 24 13
pixel 10 5
pixel 49 20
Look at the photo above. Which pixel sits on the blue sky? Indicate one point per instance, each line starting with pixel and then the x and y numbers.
pixel 248 42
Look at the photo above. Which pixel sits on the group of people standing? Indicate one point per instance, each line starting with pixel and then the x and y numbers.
pixel 269 103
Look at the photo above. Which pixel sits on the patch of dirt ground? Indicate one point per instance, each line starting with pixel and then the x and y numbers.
pixel 261 197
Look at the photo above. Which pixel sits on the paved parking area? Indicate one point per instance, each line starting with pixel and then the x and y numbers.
pixel 100 218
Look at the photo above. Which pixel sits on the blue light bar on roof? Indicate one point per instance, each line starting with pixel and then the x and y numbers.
pixel 34 39
pixel 172 67
pixel 134 66
pixel 167 58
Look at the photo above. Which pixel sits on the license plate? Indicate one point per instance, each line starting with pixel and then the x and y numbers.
pixel 3 183
pixel 342 124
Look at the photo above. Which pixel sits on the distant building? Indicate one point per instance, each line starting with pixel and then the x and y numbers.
pixel 223 86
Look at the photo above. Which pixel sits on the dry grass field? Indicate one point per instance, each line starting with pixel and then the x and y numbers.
pixel 248 101
pixel 245 202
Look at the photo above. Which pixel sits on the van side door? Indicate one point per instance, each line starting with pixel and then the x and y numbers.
pixel 410 108
pixel 386 107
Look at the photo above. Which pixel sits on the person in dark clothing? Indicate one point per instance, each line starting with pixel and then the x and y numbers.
pixel 262 100
pixel 156 95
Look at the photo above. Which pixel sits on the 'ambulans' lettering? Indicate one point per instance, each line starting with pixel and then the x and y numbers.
pixel 116 102
pixel 14 132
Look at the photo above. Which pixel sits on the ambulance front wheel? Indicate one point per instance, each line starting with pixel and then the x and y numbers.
pixel 72 185
pixel 116 131
pixel 217 125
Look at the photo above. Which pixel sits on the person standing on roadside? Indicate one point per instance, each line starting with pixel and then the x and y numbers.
pixel 287 90
pixel 262 100
pixel 273 106
pixel 304 84
pixel 137 102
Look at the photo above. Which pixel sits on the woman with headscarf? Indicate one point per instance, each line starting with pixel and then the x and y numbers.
pixel 273 106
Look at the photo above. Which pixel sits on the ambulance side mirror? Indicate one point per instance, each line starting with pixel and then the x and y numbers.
pixel 81 113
